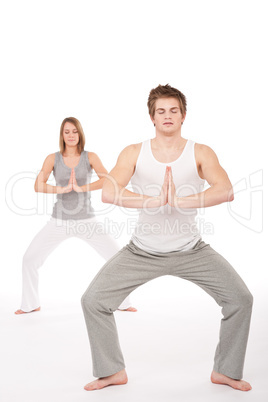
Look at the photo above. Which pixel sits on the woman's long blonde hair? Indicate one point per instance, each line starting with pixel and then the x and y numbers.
pixel 77 124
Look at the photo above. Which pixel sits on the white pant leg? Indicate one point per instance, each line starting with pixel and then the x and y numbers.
pixel 93 233
pixel 41 246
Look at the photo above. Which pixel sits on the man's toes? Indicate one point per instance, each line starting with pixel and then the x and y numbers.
pixel 133 309
pixel 90 387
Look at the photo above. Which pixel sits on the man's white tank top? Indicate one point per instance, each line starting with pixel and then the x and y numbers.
pixel 166 228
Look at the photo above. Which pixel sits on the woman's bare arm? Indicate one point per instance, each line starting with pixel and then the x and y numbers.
pixel 41 185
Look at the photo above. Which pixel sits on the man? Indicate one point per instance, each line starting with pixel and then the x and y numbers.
pixel 167 175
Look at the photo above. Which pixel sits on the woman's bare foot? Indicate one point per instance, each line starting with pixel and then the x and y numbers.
pixel 119 378
pixel 26 312
pixel 128 309
pixel 218 378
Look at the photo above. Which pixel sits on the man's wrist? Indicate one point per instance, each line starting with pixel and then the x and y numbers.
pixel 153 202
pixel 177 202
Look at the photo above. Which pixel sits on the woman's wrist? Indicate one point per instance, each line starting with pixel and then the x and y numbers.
pixel 86 187
pixel 59 190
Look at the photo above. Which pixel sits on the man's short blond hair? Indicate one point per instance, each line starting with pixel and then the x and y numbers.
pixel 166 91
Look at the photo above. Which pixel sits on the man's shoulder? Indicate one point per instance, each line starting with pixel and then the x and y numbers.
pixel 203 148
pixel 132 149
pixel 130 154
pixel 204 152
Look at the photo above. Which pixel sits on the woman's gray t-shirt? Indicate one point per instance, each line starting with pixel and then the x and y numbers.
pixel 72 205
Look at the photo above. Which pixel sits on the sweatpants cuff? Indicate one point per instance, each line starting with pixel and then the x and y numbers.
pixel 108 372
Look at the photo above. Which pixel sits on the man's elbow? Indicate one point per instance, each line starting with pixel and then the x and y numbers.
pixel 228 195
pixel 110 192
pixel 104 197
pixel 107 197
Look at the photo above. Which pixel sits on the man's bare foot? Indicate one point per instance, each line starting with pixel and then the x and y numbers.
pixel 128 309
pixel 119 378
pixel 241 385
pixel 26 312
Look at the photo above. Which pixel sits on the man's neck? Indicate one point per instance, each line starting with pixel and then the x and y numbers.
pixel 170 141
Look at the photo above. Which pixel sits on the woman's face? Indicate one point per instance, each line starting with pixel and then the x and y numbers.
pixel 70 134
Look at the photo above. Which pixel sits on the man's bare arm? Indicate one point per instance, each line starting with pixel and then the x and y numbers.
pixel 114 187
pixel 220 189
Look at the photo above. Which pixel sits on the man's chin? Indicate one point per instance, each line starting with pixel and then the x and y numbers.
pixel 169 133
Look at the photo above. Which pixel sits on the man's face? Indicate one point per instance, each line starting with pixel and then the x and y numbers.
pixel 167 117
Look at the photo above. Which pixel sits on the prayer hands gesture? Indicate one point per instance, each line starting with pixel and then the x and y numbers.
pixel 72 185
pixel 168 191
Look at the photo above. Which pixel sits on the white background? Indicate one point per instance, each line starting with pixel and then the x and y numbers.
pixel 98 61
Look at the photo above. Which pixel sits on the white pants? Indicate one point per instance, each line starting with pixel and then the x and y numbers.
pixel 55 232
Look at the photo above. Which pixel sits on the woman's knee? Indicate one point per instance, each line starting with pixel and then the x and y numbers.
pixel 28 260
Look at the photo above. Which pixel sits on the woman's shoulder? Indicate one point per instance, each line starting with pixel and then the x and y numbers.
pixel 53 157
pixel 49 161
pixel 91 156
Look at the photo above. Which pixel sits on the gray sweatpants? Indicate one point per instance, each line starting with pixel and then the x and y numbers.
pixel 132 267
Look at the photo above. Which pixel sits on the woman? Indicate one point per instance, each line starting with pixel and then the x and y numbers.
pixel 72 169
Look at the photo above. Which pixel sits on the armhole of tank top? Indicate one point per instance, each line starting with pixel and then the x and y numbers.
pixel 195 169
pixel 55 161
pixel 89 168
pixel 138 158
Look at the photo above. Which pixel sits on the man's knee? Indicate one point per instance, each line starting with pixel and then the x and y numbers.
pixel 246 300
pixel 249 299
pixel 90 301
pixel 87 299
